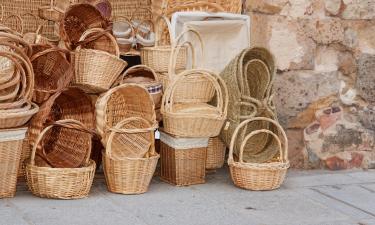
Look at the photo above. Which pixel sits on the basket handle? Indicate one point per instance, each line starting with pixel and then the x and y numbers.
pixel 67 123
pixel 134 68
pixel 98 32
pixel 2 12
pixel 34 17
pixel 158 31
pixel 118 129
pixel 246 122
pixel 219 85
pixel 65 53
pixel 20 21
pixel 176 48
pixel 9 37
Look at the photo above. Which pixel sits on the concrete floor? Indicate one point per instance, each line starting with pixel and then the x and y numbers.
pixel 306 198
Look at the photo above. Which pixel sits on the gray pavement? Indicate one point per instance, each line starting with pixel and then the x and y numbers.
pixel 306 198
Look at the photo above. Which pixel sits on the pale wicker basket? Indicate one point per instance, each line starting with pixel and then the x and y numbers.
pixel 215 153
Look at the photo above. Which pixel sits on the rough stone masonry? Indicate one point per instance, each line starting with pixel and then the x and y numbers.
pixel 325 53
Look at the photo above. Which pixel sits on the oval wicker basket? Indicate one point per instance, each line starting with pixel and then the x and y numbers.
pixel 127 175
pixel 121 102
pixel 195 119
pixel 77 19
pixel 59 183
pixel 17 117
pixel 158 57
pixel 259 176
pixel 146 77
pixel 53 72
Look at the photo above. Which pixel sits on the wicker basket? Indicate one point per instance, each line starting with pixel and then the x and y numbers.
pixel 25 154
pixel 158 57
pixel 38 38
pixel 183 160
pixel 128 175
pixel 259 176
pixel 146 77
pixel 14 22
pixel 59 183
pixel 215 154
pixel 62 106
pixel 51 12
pixel 17 117
pixel 99 39
pixel 125 35
pixel 10 152
pixel 119 103
pixel 77 19
pixel 53 72
pixel 132 8
pixel 195 119
pixel 145 33
pixel 104 6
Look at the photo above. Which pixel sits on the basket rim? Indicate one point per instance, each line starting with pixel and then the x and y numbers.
pixel 32 111
pixel 90 166
pixel 154 157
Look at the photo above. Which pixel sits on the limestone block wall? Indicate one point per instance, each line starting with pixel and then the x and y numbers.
pixel 325 86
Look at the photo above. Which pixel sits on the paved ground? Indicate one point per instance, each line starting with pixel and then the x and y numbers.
pixel 307 198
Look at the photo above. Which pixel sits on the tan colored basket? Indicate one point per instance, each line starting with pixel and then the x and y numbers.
pixel 183 161
pixel 14 22
pixel 195 119
pixel 259 176
pixel 99 39
pixel 158 57
pixel 145 76
pixel 96 71
pixel 127 175
pixel 38 38
pixel 51 12
pixel 59 183
pixel 25 154
pixel 53 72
pixel 17 117
pixel 119 103
pixel 215 153
pixel 104 6
pixel 10 153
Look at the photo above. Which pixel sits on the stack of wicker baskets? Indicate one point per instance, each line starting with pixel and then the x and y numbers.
pixel 126 122
pixel 16 108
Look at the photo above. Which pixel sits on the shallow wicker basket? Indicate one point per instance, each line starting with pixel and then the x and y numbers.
pixel 128 175
pixel 19 116
pixel 215 153
pixel 145 76
pixel 121 102
pixel 10 154
pixel 59 183
pixel 158 57
pixel 195 119
pixel 259 176
pixel 183 160
pixel 53 72
pixel 96 71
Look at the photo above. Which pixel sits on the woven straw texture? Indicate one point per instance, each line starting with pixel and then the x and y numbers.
pixel 259 176
pixel 60 183
pixel 10 154
pixel 182 167
pixel 215 153
pixel 132 8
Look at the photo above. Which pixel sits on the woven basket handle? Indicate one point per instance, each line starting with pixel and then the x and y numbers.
pixel 64 52
pixel 135 68
pixel 2 12
pixel 18 23
pixel 68 123
pixel 35 18
pixel 118 129
pixel 97 33
pixel 159 32
pixel 10 37
pixel 176 48
pixel 245 123
pixel 218 83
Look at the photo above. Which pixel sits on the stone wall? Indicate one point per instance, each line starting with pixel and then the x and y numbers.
pixel 325 87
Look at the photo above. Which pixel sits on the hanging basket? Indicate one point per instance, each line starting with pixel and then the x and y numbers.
pixel 121 102
pixel 125 174
pixel 60 183
pixel 195 119
pixel 158 57
pixel 53 72
pixel 259 176
pixel 10 154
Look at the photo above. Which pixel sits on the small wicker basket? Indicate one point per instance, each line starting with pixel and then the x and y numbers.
pixel 259 176
pixel 128 175
pixel 10 153
pixel 99 39
pixel 183 160
pixel 215 153
pixel 195 119
pixel 60 183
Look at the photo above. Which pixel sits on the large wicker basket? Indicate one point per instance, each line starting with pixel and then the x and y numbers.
pixel 195 119
pixel 183 160
pixel 10 152
pixel 121 102
pixel 129 175
pixel 59 183
pixel 259 176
